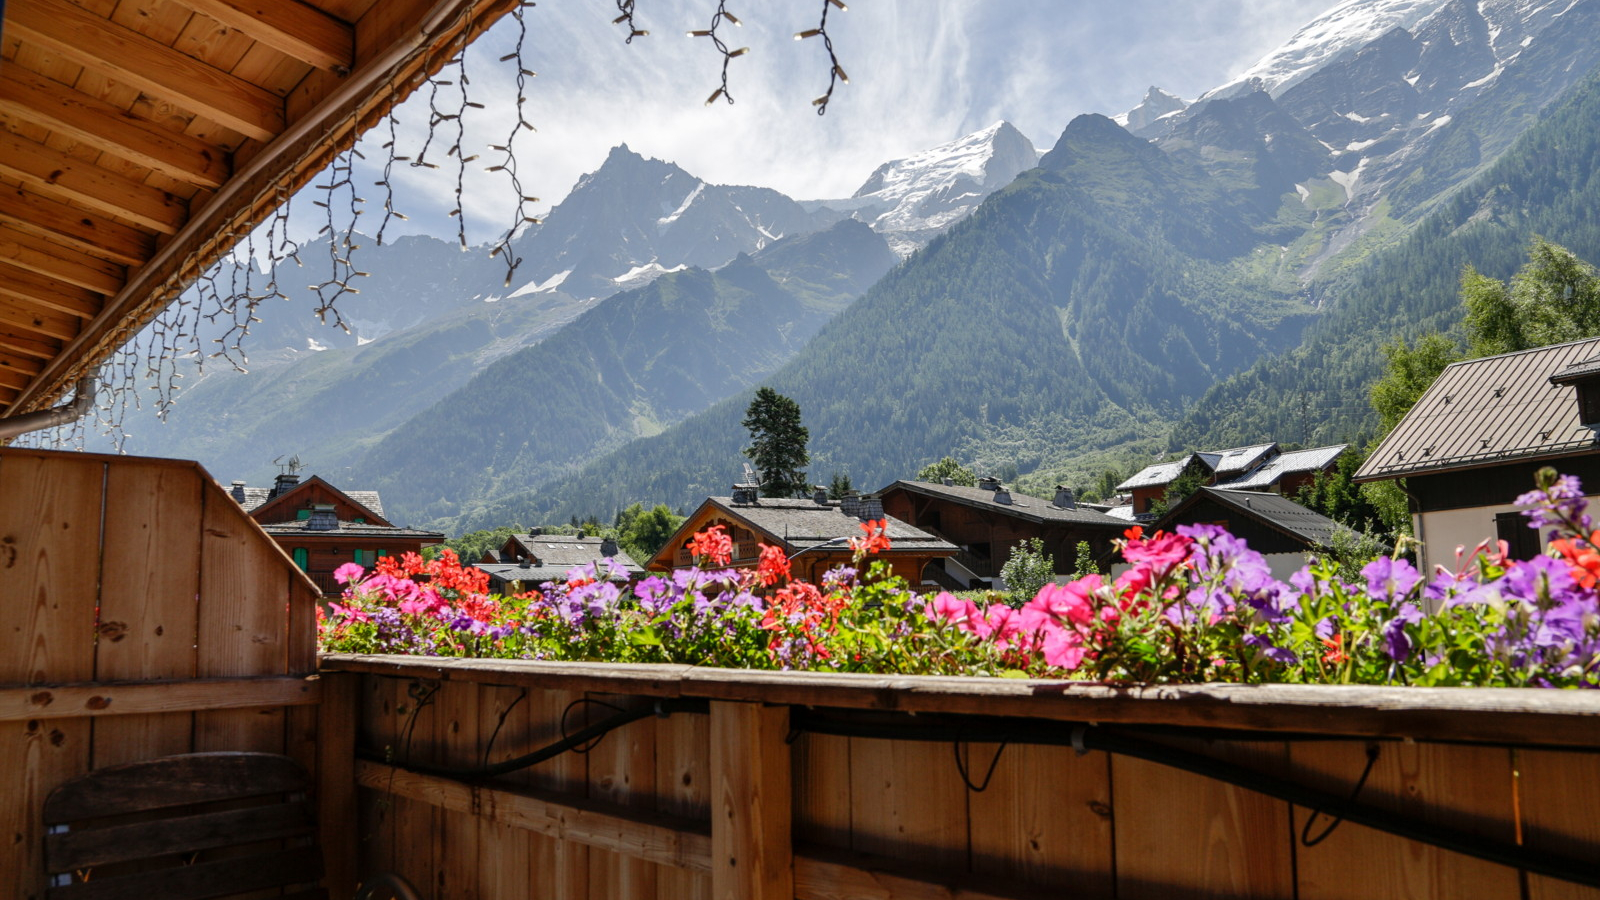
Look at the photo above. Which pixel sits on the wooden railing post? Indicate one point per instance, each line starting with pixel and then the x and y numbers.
pixel 336 779
pixel 752 851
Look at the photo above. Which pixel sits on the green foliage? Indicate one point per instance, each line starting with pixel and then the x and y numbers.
pixel 839 486
pixel 1352 549
pixel 1191 479
pixel 469 547
pixel 948 468
pixel 777 444
pixel 1411 368
pixel 642 532
pixel 1084 565
pixel 1027 570
pixel 1552 299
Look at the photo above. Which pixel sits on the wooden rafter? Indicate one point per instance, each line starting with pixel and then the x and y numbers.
pixel 13 379
pixel 28 344
pixel 25 251
pixel 31 97
pixel 52 172
pixel 18 364
pixel 90 232
pixel 292 28
pixel 38 323
pixel 37 290
pixel 149 65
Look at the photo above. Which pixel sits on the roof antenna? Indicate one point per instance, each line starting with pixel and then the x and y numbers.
pixel 291 467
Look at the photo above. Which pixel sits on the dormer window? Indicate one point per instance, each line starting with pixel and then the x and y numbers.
pixel 1584 377
pixel 1589 403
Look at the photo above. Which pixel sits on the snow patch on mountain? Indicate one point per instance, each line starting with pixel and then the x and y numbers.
pixel 539 287
pixel 1347 26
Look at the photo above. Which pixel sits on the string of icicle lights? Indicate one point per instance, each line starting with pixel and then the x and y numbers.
pixel 210 322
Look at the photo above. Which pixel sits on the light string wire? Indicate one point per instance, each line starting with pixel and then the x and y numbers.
pixel 717 18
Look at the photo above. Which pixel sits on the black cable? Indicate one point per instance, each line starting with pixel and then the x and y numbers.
pixel 966 778
pixel 574 705
pixel 1084 737
pixel 1305 833
pixel 550 751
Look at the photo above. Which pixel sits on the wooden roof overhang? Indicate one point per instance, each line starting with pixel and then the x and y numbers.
pixel 141 138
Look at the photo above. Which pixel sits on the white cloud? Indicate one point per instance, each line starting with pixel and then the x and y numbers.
pixel 921 73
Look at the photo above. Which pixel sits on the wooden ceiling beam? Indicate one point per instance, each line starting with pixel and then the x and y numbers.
pixel 80 229
pixel 141 62
pixel 38 323
pixel 34 98
pixel 39 290
pixel 18 364
pixel 13 379
pixel 25 251
pixel 295 29
pixel 51 172
pixel 29 345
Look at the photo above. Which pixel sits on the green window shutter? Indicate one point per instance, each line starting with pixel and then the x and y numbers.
pixel 302 514
pixel 381 554
pixel 360 557
pixel 360 521
pixel 302 558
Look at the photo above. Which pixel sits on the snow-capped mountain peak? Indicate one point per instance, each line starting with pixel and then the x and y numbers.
pixel 1146 119
pixel 912 199
pixel 1347 26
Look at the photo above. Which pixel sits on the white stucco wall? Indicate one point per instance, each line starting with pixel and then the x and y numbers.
pixel 1444 531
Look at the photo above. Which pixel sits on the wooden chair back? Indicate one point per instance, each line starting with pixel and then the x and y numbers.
pixel 188 827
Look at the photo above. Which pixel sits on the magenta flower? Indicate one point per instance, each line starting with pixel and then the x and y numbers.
pixel 349 573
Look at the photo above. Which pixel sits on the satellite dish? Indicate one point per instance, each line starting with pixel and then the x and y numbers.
pixel 750 476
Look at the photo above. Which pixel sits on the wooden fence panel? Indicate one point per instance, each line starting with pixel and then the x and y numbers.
pixel 683 788
pixel 148 601
pixel 1469 788
pixel 907 801
pixel 622 770
pixel 49 579
pixel 1179 834
pixel 1044 818
pixel 1560 804
pixel 503 720
pixel 822 790
pixel 455 719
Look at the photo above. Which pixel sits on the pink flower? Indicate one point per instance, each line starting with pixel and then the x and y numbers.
pixel 951 608
pixel 1003 625
pixel 349 573
pixel 1064 604
pixel 1063 648
pixel 1160 553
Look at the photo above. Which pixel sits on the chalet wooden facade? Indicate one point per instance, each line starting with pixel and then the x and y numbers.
pixel 1475 439
pixel 322 527
pixel 813 533
pixel 987 522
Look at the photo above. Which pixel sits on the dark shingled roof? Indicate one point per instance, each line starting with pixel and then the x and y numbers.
pixel 1021 506
pixel 563 551
pixel 255 496
pixel 1485 411
pixel 350 529
pixel 804 523
pixel 1269 509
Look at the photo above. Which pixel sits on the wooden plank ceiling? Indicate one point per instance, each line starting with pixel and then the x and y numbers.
pixel 136 133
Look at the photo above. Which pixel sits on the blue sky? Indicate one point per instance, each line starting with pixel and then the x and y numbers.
pixel 921 73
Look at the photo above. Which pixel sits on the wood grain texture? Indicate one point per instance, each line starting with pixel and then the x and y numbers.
pixel 1560 793
pixel 109 700
pixel 822 790
pixel 908 802
pixel 1045 817
pixel 752 848
pixel 337 813
pixel 74 226
pixel 1180 834
pixel 294 29
pixel 622 771
pixel 1468 788
pixel 52 172
pixel 683 789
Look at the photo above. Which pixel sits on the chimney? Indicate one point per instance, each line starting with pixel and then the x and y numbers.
pixel 322 518
pixel 869 509
pixel 850 504
pixel 949 482
pixel 238 492
pixel 285 481
pixel 745 495
pixel 535 532
pixel 523 562
pixel 1001 495
pixel 819 494
pixel 989 484
pixel 1065 498
pixel 608 547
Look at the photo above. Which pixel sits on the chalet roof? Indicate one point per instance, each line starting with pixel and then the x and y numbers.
pixel 802 523
pixel 1316 459
pixel 1237 460
pixel 1021 506
pixel 563 551
pixel 536 575
pixel 350 529
pixel 1578 371
pixel 1485 411
pixel 140 145
pixel 1272 510
pixel 254 497
pixel 1156 475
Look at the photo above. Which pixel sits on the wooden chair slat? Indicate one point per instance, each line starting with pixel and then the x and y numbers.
pixel 203 881
pixel 75 850
pixel 173 781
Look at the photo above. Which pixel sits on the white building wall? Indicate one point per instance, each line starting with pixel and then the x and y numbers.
pixel 1444 532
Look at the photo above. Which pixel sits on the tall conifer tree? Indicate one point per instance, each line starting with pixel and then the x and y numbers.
pixel 777 444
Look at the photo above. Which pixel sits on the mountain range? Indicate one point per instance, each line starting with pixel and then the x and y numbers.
pixel 1188 272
